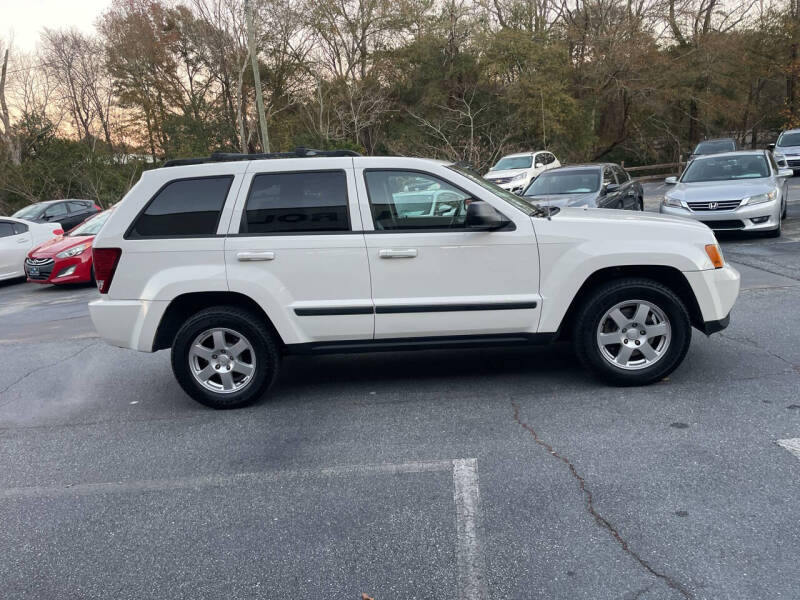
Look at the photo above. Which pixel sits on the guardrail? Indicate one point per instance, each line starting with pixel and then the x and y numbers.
pixel 671 169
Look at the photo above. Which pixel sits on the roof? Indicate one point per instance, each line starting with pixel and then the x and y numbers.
pixel 528 153
pixel 732 153
pixel 217 157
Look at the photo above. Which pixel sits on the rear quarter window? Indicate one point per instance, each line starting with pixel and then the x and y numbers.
pixel 183 208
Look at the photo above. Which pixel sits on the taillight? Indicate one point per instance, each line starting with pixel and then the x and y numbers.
pixel 105 263
pixel 97 207
pixel 58 232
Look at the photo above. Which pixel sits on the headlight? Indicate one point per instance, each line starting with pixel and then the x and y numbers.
pixel 518 177
pixel 761 198
pixel 778 156
pixel 670 201
pixel 74 251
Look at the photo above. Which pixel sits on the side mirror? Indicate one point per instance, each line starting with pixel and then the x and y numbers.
pixel 771 147
pixel 785 172
pixel 671 180
pixel 538 165
pixel 611 188
pixel 482 216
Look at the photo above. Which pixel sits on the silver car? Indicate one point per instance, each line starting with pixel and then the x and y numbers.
pixel 734 191
pixel 787 150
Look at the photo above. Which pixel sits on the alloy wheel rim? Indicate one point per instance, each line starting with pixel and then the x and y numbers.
pixel 222 360
pixel 633 335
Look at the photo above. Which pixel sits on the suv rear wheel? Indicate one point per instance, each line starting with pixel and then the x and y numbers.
pixel 223 359
pixel 632 332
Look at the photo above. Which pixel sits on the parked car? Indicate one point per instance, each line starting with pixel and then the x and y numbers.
pixel 714 146
pixel 17 237
pixel 787 150
pixel 593 185
pixel 515 171
pixel 233 262
pixel 739 191
pixel 68 258
pixel 69 213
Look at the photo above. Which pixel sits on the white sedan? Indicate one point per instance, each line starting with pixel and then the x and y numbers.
pixel 17 238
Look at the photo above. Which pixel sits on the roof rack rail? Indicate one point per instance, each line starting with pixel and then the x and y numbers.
pixel 235 156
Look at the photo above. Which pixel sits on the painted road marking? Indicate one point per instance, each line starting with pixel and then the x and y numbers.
pixel 792 445
pixel 470 562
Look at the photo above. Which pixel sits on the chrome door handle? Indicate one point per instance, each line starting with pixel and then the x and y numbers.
pixel 24 241
pixel 404 253
pixel 254 256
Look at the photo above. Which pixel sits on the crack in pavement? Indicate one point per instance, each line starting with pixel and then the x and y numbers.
pixel 40 367
pixel 599 519
pixel 745 341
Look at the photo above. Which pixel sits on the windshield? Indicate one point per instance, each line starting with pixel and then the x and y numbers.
pixel 789 139
pixel 92 226
pixel 513 162
pixel 714 146
pixel 581 181
pixel 726 168
pixel 512 199
pixel 28 212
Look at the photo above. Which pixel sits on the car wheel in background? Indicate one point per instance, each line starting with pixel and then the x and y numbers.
pixel 632 332
pixel 222 358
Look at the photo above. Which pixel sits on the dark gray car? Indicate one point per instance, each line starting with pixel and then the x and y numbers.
pixel 593 185
pixel 69 213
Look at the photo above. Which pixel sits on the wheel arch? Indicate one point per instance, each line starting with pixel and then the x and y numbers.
pixel 671 277
pixel 184 306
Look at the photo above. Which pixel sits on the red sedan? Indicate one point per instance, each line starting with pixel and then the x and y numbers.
pixel 68 258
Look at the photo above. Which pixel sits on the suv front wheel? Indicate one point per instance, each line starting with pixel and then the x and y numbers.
pixel 632 332
pixel 222 358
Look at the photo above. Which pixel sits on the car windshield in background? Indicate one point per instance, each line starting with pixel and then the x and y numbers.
pixel 726 168
pixel 512 199
pixel 712 147
pixel 789 139
pixel 513 162
pixel 92 226
pixel 581 181
pixel 28 212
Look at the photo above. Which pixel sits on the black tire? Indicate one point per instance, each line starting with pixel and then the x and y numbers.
pixel 605 297
pixel 785 209
pixel 641 204
pixel 263 342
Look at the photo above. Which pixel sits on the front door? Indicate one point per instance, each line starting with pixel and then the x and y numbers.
pixel 296 247
pixel 14 245
pixel 431 276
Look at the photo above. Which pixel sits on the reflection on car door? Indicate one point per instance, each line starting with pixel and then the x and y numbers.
pixel 627 190
pixel 607 198
pixel 433 277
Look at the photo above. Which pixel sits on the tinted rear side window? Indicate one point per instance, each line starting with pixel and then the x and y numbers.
pixel 297 203
pixel 184 207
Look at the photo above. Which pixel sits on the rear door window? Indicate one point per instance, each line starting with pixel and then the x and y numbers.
pixel 305 202
pixel 78 207
pixel 56 211
pixel 20 228
pixel 6 229
pixel 183 208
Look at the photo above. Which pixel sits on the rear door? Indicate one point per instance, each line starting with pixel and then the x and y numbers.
pixel 296 247
pixel 627 190
pixel 431 277
pixel 14 245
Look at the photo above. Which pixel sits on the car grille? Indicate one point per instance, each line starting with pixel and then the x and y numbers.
pixel 730 224
pixel 795 162
pixel 719 205
pixel 44 266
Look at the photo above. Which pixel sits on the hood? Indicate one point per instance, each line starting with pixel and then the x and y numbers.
pixel 58 244
pixel 504 173
pixel 787 150
pixel 619 217
pixel 706 191
pixel 562 200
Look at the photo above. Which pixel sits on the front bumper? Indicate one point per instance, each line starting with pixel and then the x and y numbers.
pixel 767 216
pixel 716 291
pixel 512 186
pixel 56 269
pixel 127 323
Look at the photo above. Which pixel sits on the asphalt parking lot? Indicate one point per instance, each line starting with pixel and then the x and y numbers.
pixel 503 473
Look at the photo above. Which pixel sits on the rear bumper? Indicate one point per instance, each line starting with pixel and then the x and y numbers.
pixel 127 323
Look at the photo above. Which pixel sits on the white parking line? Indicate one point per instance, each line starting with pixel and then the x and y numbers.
pixel 469 557
pixel 792 445
pixel 470 562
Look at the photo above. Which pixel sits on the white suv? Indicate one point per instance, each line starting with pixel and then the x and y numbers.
pixel 516 171
pixel 237 260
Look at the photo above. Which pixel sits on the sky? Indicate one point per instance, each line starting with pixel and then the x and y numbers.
pixel 24 19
